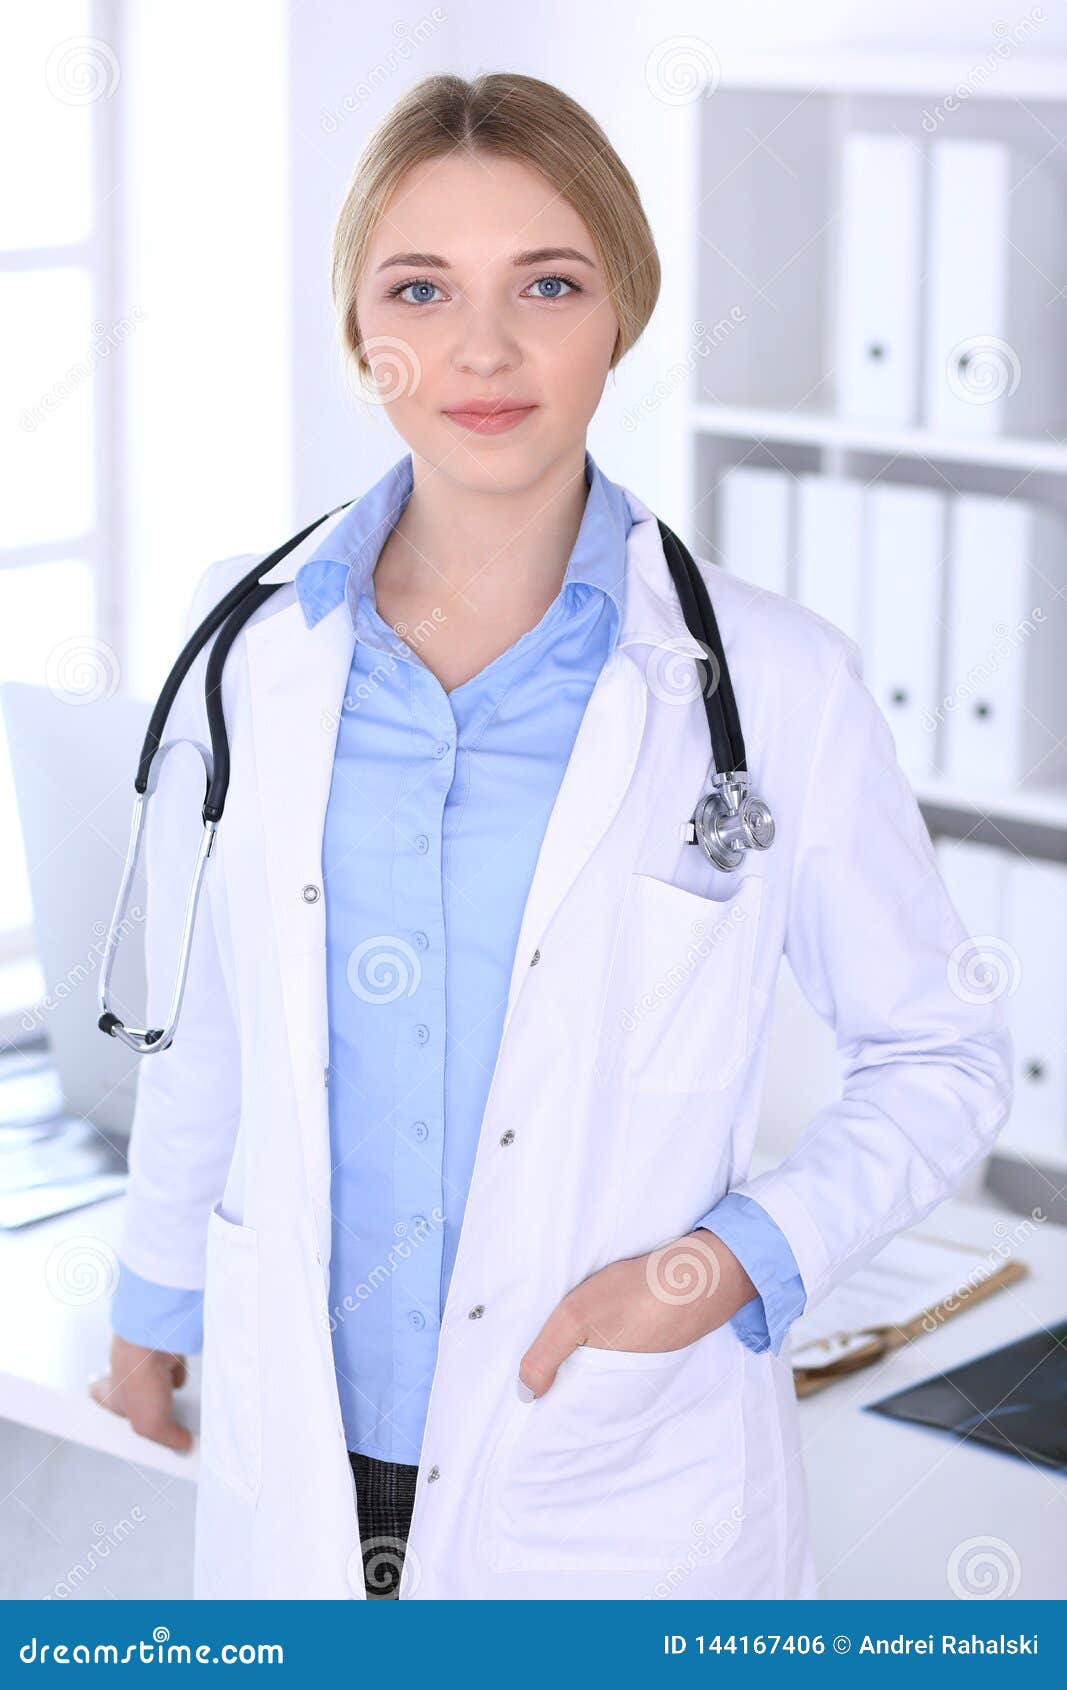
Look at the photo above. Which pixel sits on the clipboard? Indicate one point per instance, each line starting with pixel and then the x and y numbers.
pixel 849 1352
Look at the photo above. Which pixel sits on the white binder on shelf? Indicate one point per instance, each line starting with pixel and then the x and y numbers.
pixel 1005 681
pixel 754 529
pixel 830 549
pixel 1037 931
pixel 902 657
pixel 995 345
pixel 878 278
pixel 1015 909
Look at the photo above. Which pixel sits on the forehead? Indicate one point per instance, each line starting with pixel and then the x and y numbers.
pixel 477 209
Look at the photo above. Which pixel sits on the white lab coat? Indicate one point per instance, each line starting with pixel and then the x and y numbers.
pixel 623 1103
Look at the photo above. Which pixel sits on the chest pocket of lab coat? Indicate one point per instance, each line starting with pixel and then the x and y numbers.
pixel 676 1006
pixel 628 1462
pixel 229 1399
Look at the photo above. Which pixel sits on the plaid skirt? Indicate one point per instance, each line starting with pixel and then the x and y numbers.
pixel 385 1498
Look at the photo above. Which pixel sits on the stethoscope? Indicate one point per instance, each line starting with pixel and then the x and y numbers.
pixel 727 822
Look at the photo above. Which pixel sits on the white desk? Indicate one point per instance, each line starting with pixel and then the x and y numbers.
pixel 889 1501
pixel 58 1277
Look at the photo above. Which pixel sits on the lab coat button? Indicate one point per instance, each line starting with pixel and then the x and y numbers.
pixel 508 1137
pixel 310 894
pixel 476 1312
pixel 434 1473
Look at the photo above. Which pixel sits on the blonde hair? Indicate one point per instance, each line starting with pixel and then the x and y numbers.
pixel 518 117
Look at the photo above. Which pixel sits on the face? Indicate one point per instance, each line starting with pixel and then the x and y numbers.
pixel 486 318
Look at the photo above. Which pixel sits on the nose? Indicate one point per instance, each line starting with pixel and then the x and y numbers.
pixel 485 343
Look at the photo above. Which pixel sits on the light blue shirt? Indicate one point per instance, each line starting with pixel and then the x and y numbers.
pixel 437 808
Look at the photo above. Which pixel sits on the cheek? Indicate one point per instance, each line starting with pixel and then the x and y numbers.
pixel 576 363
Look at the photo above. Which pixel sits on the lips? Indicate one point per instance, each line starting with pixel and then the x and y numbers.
pixel 489 417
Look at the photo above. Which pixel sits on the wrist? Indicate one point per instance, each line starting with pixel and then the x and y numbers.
pixel 733 1287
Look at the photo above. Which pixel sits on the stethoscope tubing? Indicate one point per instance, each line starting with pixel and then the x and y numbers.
pixel 726 821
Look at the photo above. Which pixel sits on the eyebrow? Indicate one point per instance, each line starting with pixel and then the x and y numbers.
pixel 536 255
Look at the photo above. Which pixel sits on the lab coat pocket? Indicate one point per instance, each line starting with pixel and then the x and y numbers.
pixel 676 1006
pixel 230 1385
pixel 628 1462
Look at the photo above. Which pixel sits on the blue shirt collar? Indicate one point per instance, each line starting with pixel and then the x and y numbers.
pixel 341 567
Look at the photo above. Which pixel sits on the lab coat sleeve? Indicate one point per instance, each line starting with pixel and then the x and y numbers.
pixel 189 1096
pixel 763 1250
pixel 881 954
pixel 157 1316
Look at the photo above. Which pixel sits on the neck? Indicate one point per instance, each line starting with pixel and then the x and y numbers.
pixel 472 549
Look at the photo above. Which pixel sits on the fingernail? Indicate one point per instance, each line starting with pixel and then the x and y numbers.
pixel 525 1393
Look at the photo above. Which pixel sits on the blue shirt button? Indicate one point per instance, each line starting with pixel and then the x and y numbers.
pixel 421 842
pixel 418 1220
pixel 421 940
pixel 420 1129
pixel 439 750
pixel 422 1032
pixel 416 1319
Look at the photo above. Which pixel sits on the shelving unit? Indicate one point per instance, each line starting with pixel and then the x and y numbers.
pixel 765 176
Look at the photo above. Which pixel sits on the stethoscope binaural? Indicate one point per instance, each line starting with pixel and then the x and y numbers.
pixel 727 822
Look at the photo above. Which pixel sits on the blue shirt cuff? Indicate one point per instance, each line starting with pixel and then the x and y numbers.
pixel 763 1250
pixel 161 1317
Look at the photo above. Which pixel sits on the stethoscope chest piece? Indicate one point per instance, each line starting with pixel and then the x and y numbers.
pixel 729 821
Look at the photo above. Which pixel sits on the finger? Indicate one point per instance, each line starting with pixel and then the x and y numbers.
pixel 103 1390
pixel 152 1420
pixel 557 1339
pixel 179 1373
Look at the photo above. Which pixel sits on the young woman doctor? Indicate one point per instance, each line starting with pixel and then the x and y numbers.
pixel 471 721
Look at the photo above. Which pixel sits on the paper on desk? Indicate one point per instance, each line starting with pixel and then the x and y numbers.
pixel 911 1274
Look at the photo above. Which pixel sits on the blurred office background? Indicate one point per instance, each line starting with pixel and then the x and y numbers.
pixel 853 391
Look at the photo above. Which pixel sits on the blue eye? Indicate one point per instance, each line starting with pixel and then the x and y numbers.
pixel 555 282
pixel 402 287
